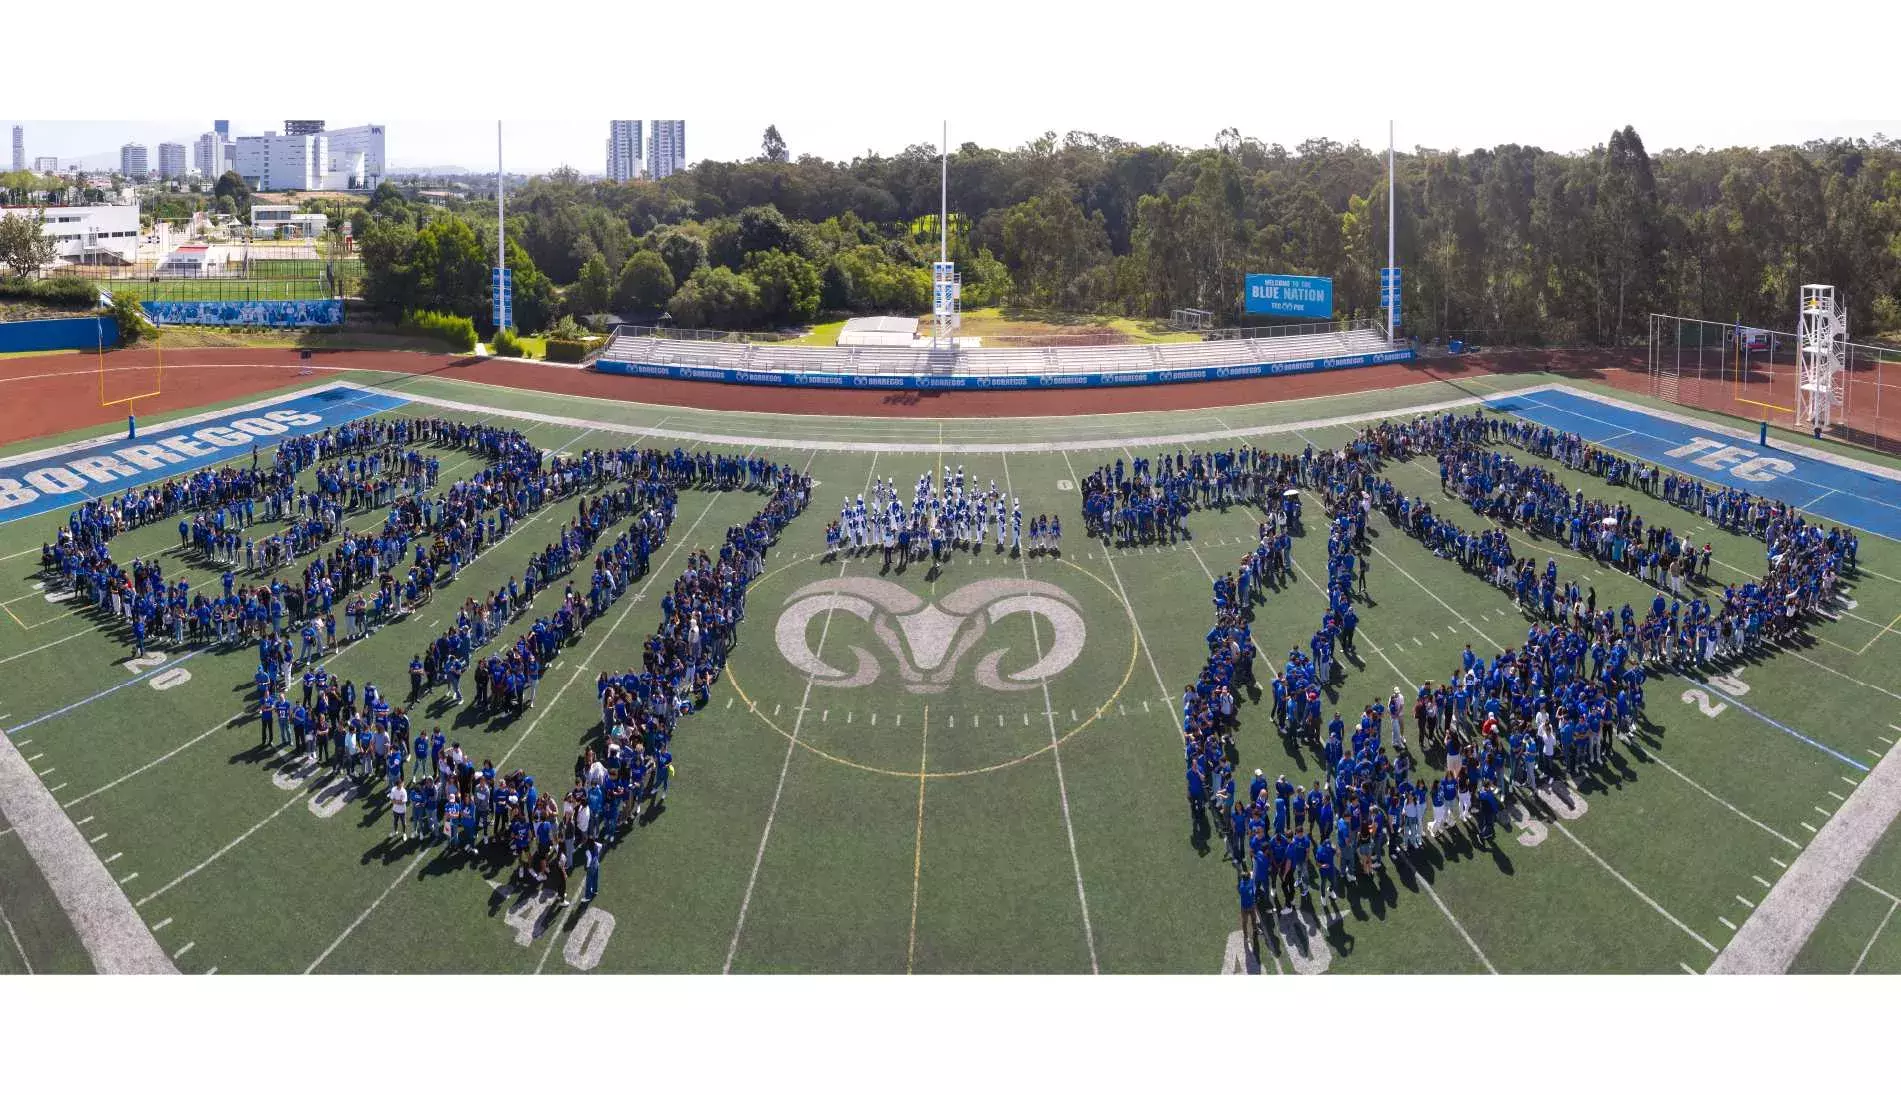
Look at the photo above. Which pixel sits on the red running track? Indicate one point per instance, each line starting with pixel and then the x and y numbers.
pixel 55 393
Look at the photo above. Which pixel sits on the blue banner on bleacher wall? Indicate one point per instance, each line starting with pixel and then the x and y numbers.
pixel 1288 295
pixel 1047 380
pixel 325 312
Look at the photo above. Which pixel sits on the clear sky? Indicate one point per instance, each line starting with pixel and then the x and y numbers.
pixel 840 77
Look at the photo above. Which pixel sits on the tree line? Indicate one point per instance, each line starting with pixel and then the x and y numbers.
pixel 1513 243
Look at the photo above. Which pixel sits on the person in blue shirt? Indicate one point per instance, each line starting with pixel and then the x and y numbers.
pixel 1197 793
pixel 593 860
pixel 1250 925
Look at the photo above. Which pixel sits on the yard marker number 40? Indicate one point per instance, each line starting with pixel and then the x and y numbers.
pixel 171 678
pixel 531 914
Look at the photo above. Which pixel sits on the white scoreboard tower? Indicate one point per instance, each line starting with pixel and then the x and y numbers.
pixel 1821 343
pixel 947 288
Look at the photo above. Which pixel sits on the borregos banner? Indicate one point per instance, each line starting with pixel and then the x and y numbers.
pixel 1289 295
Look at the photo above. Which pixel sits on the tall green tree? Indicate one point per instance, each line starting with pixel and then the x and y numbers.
pixel 716 297
pixel 593 290
pixel 24 246
pixel 788 286
pixel 646 283
pixel 772 147
pixel 1054 245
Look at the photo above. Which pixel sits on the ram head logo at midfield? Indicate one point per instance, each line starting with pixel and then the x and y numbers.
pixel 928 640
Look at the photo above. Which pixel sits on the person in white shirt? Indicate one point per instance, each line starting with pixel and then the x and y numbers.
pixel 398 807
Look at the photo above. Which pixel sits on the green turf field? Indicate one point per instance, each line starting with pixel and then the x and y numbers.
pixel 253 288
pixel 878 828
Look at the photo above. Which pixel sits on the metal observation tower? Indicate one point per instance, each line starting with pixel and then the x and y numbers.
pixel 1821 345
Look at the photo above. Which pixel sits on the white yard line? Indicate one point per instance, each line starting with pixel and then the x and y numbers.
pixel 1863 957
pixel 309 785
pixel 149 765
pixel 1463 934
pixel 785 766
pixel 1776 931
pixel 917 849
pixel 15 936
pixel 111 931
pixel 1876 889
pixel 45 646
pixel 401 876
pixel 1632 887
pixel 1147 650
pixel 1056 753
pixel 1670 768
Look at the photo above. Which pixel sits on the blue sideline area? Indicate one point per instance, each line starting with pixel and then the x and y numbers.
pixel 1825 491
pixel 37 483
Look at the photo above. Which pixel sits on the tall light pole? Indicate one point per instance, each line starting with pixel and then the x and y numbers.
pixel 943 196
pixel 1392 202
pixel 501 224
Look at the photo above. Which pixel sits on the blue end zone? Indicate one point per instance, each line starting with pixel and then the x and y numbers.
pixel 1826 491
pixel 37 483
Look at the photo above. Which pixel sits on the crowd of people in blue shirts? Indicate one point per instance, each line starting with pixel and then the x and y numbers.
pixel 1147 501
pixel 1495 730
pixel 471 807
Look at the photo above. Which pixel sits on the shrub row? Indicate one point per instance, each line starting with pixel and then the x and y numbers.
pixel 457 332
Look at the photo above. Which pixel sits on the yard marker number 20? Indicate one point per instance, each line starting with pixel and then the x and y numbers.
pixel 1728 683
pixel 171 678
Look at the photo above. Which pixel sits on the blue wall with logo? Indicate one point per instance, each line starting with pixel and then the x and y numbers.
pixel 1051 380
pixel 76 333
pixel 1289 295
pixel 327 312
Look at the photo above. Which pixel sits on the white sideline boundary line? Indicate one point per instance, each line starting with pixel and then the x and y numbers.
pixel 109 928
pixel 1078 444
pixel 1782 923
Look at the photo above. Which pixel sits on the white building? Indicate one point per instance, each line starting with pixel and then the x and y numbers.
pixel 272 162
pixel 623 151
pixel 19 148
pixel 272 220
pixel 207 155
pixel 46 165
pixel 192 260
pixel 132 162
pixel 171 160
pixel 666 149
pixel 355 158
pixel 98 234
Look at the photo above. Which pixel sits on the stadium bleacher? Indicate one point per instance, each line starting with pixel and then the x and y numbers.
pixel 986 361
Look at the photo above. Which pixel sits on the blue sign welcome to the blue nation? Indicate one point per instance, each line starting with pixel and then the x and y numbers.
pixel 1288 295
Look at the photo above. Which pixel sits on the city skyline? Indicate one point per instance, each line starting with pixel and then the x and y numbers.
pixel 539 146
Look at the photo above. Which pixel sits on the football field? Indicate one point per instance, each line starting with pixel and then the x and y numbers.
pixel 974 766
